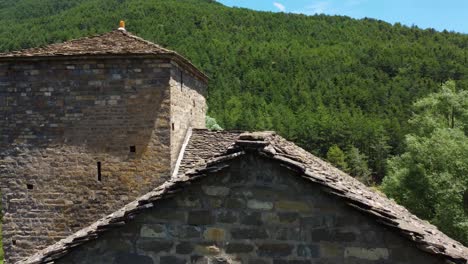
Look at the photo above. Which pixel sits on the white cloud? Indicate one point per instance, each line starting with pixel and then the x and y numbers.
pixel 281 7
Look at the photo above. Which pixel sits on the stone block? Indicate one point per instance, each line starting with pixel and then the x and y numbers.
pixel 207 250
pixel 200 218
pixel 153 231
pixel 216 190
pixel 154 246
pixel 284 261
pixel 172 260
pixel 238 248
pixel 215 234
pixel 373 254
pixel 125 258
pixel 248 233
pixel 189 231
pixel 259 205
pixel 185 248
pixel 327 234
pixel 331 250
pixel 226 217
pixel 274 249
pixel 308 251
pixel 251 218
pixel 234 203
pixel 259 261
pixel 293 206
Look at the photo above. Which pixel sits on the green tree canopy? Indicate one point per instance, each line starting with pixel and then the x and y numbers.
pixel 430 177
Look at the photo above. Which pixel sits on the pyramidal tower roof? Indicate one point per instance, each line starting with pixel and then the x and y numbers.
pixel 118 42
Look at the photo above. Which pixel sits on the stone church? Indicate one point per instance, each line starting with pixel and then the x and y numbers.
pixel 104 158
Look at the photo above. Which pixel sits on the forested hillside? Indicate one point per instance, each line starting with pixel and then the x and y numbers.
pixel 339 87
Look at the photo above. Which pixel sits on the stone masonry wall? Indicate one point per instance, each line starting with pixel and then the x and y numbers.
pixel 252 212
pixel 59 118
pixel 188 107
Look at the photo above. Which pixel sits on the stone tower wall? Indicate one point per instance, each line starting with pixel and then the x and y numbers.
pixel 59 119
pixel 188 107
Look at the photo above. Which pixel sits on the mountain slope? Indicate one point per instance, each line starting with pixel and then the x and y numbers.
pixel 317 80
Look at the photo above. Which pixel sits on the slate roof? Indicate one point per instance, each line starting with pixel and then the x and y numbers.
pixel 117 42
pixel 210 151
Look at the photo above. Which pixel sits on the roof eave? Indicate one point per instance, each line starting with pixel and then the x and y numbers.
pixel 180 60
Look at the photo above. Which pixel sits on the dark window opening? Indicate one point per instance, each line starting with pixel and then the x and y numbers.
pixel 181 80
pixel 172 126
pixel 193 103
pixel 13 242
pixel 132 149
pixel 29 186
pixel 99 175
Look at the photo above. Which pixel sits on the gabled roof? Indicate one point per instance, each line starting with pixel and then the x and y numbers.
pixel 210 151
pixel 117 42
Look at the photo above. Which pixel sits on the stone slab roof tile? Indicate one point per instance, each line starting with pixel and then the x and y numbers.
pixel 210 151
pixel 117 42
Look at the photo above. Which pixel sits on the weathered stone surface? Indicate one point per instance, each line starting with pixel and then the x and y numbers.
pixel 239 248
pixel 155 245
pixel 200 218
pixel 251 218
pixel 66 115
pixel 259 205
pixel 215 234
pixel 275 250
pixel 308 251
pixel 249 233
pixel 153 231
pixel 335 234
pixel 172 260
pixel 293 206
pixel 125 258
pixel 216 190
pixel 367 253
pixel 184 248
pixel 332 235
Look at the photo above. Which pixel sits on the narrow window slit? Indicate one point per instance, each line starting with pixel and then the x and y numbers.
pixel 181 80
pixel 99 175
pixel 172 126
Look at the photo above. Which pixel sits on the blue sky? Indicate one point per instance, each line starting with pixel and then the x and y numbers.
pixel 439 14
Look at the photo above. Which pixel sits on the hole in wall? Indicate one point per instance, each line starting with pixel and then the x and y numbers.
pixel 172 126
pixel 29 186
pixel 99 175
pixel 193 101
pixel 13 242
pixel 132 149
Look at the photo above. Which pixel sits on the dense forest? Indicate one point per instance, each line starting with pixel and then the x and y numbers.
pixel 341 88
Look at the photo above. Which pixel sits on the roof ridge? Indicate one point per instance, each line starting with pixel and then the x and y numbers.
pixel 131 35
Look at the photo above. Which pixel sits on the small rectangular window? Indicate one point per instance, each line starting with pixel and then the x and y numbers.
pixel 29 186
pixel 173 126
pixel 132 149
pixel 99 176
